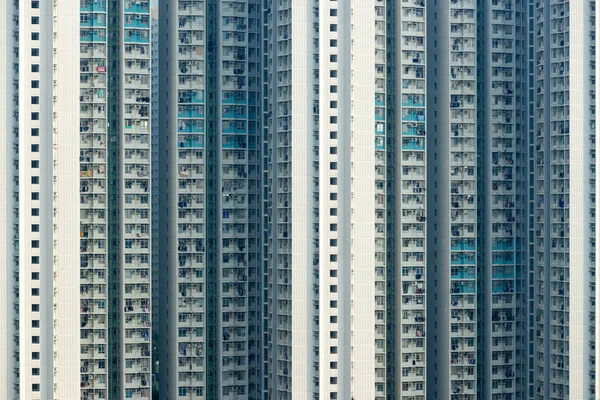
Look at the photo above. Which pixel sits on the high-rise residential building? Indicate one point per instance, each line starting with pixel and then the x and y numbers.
pixel 409 173
pixel 327 205
pixel 115 199
pixel 154 168
pixel 477 165
pixel 565 203
pixel 39 342
pixel 407 169
pixel 210 169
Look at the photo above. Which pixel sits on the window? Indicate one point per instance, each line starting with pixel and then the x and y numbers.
pixel 35 84
pixel 35 323
pixel 333 303
pixel 35 307
pixel 333 273
pixel 35 339
pixel 35 116
pixel 35 371
pixel 333 104
pixel 333 43
pixel 35 20
pixel 35 4
pixel 35 212
pixel 333 150
pixel 35 276
pixel 35 180
pixel 35 131
pixel 333 27
pixel 35 244
pixel 333 257
pixel 333 319
pixel 333 74
pixel 333 288
pixel 35 228
pixel 35 147
pixel 35 100
pixel 333 211
pixel 35 259
pixel 35 387
pixel 332 196
pixel 35 196
pixel 333 181
pixel 35 164
pixel 35 292
pixel 333 166
pixel 333 89
pixel 333 119
pixel 35 36
pixel 333 135
pixel 333 335
pixel 35 52
pixel 333 58
pixel 333 12
pixel 333 380
pixel 333 227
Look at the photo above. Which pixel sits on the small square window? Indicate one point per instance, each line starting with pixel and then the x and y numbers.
pixel 333 166
pixel 333 380
pixel 35 227
pixel 35 307
pixel 35 180
pixel 333 227
pixel 333 334
pixel 333 73
pixel 333 181
pixel 333 257
pixel 35 20
pixel 35 67
pixel 35 4
pixel 35 100
pixel 333 43
pixel 35 131
pixel 333 58
pixel 35 212
pixel 333 89
pixel 35 259
pixel 35 84
pixel 333 150
pixel 35 276
pixel 333 135
pixel 35 371
pixel 35 52
pixel 333 104
pixel 36 354
pixel 35 116
pixel 333 211
pixel 35 163
pixel 332 196
pixel 35 244
pixel 333 288
pixel 333 303
pixel 35 339
pixel 35 292
pixel 333 119
pixel 333 27
pixel 35 323
pixel 35 147
pixel 35 387
pixel 35 196
pixel 333 273
pixel 333 319
pixel 333 12
pixel 35 36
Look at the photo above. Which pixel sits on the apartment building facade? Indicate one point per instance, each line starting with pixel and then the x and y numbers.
pixel 565 207
pixel 210 189
pixel 39 341
pixel 115 199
